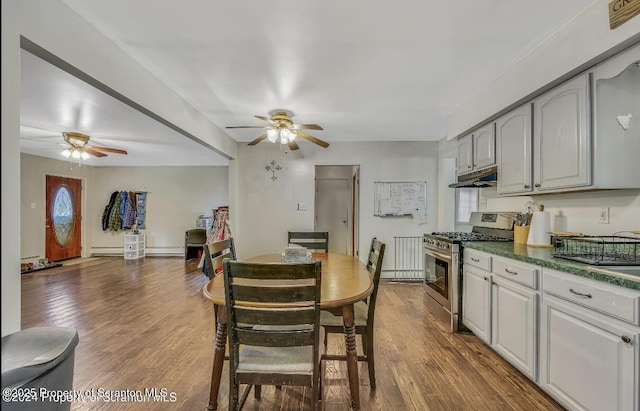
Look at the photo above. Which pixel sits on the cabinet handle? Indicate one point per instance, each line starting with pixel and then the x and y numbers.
pixel 538 185
pixel 486 278
pixel 626 339
pixel 511 272
pixel 477 260
pixel 572 291
pixel 527 186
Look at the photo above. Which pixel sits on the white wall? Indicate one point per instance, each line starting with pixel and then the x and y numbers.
pixel 10 155
pixel 266 209
pixel 581 210
pixel 176 196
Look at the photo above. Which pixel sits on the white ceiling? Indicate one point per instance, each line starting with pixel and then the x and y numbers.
pixel 364 70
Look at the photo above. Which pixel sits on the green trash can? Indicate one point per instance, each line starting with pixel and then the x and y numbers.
pixel 37 369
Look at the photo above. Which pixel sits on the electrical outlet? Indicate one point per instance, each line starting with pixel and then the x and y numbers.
pixel 604 215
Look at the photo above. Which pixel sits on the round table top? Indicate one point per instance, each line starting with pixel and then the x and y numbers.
pixel 345 280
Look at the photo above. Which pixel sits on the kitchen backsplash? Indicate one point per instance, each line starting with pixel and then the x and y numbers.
pixel 579 211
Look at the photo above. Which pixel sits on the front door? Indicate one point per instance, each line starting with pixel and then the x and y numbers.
pixel 63 217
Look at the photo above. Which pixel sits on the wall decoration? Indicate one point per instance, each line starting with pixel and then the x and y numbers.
pixel 273 167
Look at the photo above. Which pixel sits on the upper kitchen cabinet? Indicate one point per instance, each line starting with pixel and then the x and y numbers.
pixel 617 121
pixel 562 136
pixel 477 150
pixel 583 134
pixel 464 157
pixel 513 135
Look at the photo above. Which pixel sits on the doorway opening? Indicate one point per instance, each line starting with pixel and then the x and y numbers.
pixel 336 206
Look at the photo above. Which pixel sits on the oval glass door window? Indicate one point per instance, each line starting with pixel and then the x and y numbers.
pixel 62 215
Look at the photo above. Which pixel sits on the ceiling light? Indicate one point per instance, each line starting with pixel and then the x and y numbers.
pixel 273 134
pixel 66 153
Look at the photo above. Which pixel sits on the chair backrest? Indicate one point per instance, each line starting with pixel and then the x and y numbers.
pixel 261 312
pixel 215 253
pixel 196 236
pixel 312 240
pixel 374 265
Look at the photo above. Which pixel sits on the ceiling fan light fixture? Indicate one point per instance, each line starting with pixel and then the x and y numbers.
pixel 76 154
pixel 84 155
pixel 286 136
pixel 273 134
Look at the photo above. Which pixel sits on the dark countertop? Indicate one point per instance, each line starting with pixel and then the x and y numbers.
pixel 543 257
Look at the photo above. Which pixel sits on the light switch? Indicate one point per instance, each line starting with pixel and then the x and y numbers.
pixel 33 204
pixel 302 207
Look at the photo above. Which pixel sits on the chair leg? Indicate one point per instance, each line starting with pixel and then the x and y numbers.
pixel 370 359
pixel 257 391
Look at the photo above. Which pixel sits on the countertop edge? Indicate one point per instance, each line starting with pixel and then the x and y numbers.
pixel 544 258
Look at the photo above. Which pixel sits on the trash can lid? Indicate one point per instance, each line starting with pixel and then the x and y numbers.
pixel 29 353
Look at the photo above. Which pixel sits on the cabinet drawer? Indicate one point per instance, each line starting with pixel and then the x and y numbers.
pixel 519 272
pixel 477 259
pixel 618 302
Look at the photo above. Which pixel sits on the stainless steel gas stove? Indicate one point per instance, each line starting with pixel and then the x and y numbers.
pixel 443 261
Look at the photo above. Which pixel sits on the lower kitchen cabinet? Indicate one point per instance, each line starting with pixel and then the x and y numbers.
pixel 476 302
pixel 588 359
pixel 514 330
pixel 501 307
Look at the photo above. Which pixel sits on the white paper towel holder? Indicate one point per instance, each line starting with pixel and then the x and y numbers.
pixel 540 228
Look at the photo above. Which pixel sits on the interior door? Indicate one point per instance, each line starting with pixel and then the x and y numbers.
pixel 63 217
pixel 333 200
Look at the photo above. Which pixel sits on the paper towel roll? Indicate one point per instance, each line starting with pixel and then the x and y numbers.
pixel 540 228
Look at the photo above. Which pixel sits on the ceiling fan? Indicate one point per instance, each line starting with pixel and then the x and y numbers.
pixel 282 128
pixel 79 148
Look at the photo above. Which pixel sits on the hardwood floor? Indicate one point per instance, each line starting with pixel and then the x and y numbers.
pixel 145 324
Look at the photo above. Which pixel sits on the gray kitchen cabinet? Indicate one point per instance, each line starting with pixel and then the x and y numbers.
pixel 484 146
pixel 477 150
pixel 513 146
pixel 514 308
pixel 464 156
pixel 562 136
pixel 589 356
pixel 500 301
pixel 476 302
pixel 585 134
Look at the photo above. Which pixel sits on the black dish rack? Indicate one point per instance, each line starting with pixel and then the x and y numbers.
pixel 599 250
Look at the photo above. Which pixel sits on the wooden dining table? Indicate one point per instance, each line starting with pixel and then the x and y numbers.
pixel 345 281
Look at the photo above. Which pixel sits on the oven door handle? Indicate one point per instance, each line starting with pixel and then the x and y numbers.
pixel 438 255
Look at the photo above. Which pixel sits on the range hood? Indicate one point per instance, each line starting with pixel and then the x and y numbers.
pixel 486 177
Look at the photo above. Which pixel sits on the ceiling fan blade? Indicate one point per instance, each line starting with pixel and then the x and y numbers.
pixel 44 141
pixel 247 127
pixel 93 151
pixel 312 139
pixel 108 150
pixel 293 145
pixel 259 139
pixel 306 127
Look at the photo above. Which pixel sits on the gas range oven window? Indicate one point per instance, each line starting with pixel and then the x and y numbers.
pixel 437 275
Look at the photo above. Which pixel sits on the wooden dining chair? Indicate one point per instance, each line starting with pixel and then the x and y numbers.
pixel 363 315
pixel 215 253
pixel 311 240
pixel 274 330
